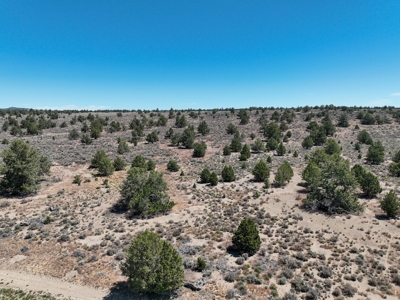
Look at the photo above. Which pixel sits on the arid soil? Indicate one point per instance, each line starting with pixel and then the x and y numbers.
pixel 77 252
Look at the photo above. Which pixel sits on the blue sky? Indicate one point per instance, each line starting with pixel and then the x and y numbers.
pixel 198 54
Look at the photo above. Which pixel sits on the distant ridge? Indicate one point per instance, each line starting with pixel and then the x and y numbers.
pixel 15 108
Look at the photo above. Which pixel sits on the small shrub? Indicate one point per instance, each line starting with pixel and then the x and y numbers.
pixel 77 179
pixel 200 265
pixel 172 166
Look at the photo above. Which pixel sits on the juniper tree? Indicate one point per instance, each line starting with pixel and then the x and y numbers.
pixel 331 147
pixel 236 145
pixel 391 205
pixel 173 166
pixel 152 137
pixel 228 175
pixel 245 153
pixel 376 153
pixel 145 192
pixel 281 150
pixel 205 175
pixel 261 171
pixel 334 190
pixel 247 238
pixel 307 142
pixel 123 146
pixel 203 128
pixel 199 149
pixel 258 146
pixel 22 169
pixel 152 265
pixel 119 164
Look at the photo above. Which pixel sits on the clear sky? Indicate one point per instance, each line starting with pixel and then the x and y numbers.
pixel 198 54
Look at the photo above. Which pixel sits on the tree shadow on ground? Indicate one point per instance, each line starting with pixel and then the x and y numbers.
pixel 121 291
pixel 381 217
pixel 231 250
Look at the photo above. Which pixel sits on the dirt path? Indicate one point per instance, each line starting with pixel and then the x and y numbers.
pixel 54 286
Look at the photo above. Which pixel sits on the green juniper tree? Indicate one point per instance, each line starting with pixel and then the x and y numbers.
pixel 334 190
pixel 391 205
pixel 261 171
pixel 205 175
pixel 228 175
pixel 203 128
pixel 245 153
pixel 152 265
pixel 22 169
pixel 145 192
pixel 258 146
pixel 247 238
pixel 199 149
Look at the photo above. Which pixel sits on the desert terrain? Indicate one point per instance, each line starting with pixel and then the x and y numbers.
pixel 68 240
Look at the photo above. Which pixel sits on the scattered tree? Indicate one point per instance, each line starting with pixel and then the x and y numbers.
pixel 244 117
pixel 22 169
pixel 205 175
pixel 311 173
pixel 245 153
pixel 105 166
pixel 152 137
pixel 376 153
pixel 172 166
pixel 119 164
pixel 261 171
pixel 180 121
pixel 203 128
pixel 236 145
pixel 334 190
pixel 139 162
pixel 394 169
pixel 258 146
pixel 283 174
pixel 213 179
pixel 370 185
pixel 187 138
pixel 307 142
pixel 145 192
pixel 272 144
pixel 86 139
pixel 228 175
pixel 227 150
pixel 332 147
pixel 281 150
pixel 123 146
pixel 364 137
pixel 199 149
pixel 247 238
pixel 391 205
pixel 152 265
pixel 343 120
pixel 73 134
pixel 232 129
